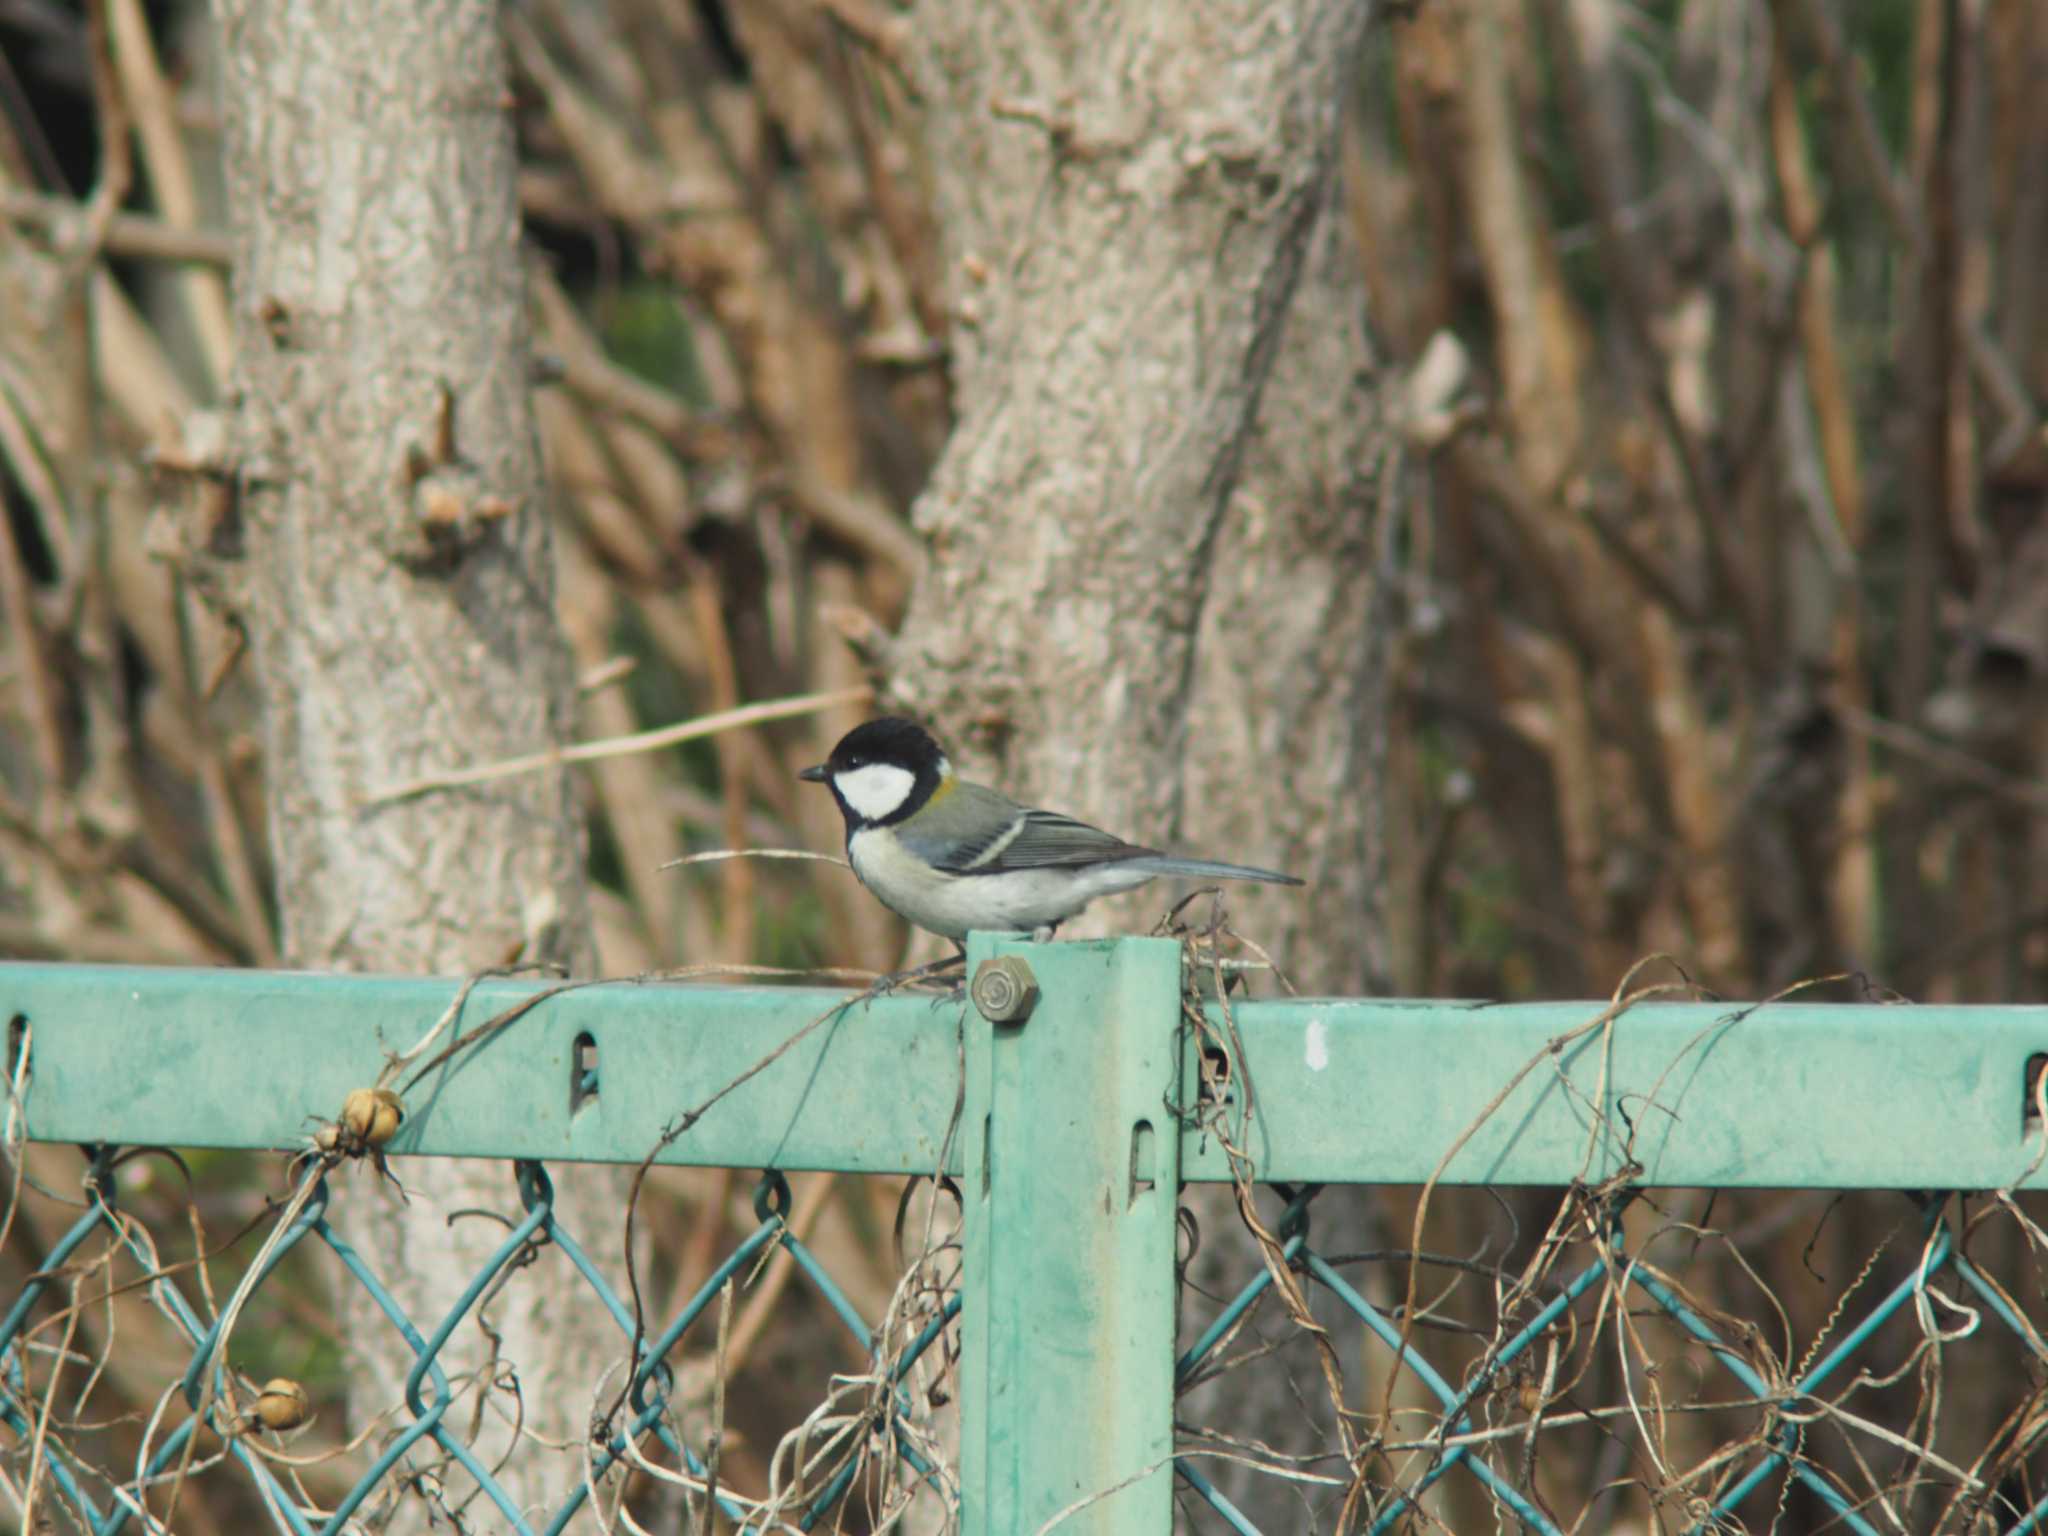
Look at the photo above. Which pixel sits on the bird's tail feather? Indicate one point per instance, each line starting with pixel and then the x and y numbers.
pixel 1209 869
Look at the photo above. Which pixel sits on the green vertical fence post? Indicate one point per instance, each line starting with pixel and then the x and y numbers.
pixel 1072 1163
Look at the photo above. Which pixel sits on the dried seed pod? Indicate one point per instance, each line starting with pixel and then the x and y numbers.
pixel 282 1404
pixel 371 1116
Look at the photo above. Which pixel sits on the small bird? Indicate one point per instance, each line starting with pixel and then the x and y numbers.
pixel 951 856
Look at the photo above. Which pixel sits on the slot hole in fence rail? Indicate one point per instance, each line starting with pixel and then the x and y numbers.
pixel 2030 1095
pixel 1144 1155
pixel 1217 1087
pixel 583 1072
pixel 17 1045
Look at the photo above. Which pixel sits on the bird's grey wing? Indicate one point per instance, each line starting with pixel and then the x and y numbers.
pixel 958 825
pixel 1031 839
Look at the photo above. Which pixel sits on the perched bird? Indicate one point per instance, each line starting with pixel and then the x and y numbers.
pixel 950 856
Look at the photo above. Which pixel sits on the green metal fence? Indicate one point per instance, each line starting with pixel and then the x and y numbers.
pixel 1072 1101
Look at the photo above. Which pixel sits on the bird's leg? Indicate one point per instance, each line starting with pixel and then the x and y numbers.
pixel 1043 933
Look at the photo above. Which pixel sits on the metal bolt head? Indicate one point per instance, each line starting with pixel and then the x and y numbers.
pixel 1004 989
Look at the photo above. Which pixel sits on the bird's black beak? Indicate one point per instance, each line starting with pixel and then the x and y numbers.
pixel 815 773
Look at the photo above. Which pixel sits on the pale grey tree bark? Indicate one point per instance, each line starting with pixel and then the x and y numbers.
pixel 398 586
pixel 1146 603
pixel 1155 595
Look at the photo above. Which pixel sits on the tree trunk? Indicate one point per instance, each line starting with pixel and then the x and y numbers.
pixel 1153 596
pixel 1107 624
pixel 398 592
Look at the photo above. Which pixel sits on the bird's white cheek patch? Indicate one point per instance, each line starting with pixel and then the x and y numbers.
pixel 875 791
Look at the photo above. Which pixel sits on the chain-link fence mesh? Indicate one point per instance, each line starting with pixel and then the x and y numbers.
pixel 1605 1356
pixel 1634 1365
pixel 75 1460
pixel 1597 1356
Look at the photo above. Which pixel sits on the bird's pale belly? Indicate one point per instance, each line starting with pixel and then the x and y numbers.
pixel 1018 901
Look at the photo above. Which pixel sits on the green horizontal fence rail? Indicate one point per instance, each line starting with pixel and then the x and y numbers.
pixel 1069 1138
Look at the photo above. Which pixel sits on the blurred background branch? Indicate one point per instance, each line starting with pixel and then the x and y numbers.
pixel 1710 577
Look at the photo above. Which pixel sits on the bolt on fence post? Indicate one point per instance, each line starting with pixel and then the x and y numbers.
pixel 1072 1163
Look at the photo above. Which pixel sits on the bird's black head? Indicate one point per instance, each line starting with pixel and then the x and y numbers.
pixel 883 771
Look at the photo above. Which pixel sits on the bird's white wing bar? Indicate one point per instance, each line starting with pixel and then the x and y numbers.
pixel 992 854
pixel 1048 840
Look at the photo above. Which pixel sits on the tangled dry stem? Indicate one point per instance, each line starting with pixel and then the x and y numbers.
pixel 1664 1437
